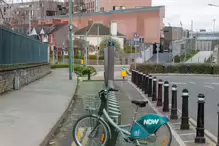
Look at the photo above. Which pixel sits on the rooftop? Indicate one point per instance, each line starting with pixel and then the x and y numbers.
pixel 93 30
pixel 125 11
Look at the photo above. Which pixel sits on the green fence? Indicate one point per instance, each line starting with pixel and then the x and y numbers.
pixel 16 48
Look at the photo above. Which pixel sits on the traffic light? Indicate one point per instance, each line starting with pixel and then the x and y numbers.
pixel 98 47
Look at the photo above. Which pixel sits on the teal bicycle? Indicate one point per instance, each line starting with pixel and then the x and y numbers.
pixel 94 130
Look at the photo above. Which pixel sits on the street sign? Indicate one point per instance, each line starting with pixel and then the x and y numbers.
pixel 136 39
pixel 136 35
pixel 73 36
pixel 111 44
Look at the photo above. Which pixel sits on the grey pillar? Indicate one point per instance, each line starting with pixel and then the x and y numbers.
pixel 111 54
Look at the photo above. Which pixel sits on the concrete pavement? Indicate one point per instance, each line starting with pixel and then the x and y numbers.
pixel 63 136
pixel 209 86
pixel 28 115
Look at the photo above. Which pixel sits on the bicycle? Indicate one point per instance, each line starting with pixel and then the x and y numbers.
pixel 144 130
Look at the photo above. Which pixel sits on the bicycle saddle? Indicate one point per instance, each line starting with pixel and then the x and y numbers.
pixel 140 103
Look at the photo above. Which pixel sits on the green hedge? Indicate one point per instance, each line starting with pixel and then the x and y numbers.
pixel 179 68
pixel 80 70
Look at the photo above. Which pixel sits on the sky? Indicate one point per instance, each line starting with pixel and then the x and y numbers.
pixel 188 10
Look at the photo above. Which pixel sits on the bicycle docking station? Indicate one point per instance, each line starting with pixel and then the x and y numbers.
pixel 152 87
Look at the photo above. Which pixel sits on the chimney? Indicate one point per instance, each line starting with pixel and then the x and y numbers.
pixel 90 22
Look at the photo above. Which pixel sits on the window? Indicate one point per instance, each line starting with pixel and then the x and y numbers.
pixel 4 9
pixel 122 8
pixel 114 7
pixel 102 9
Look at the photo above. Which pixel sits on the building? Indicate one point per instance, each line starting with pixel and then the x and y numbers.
pixel 108 5
pixel 20 13
pixel 173 34
pixel 147 21
pixel 95 33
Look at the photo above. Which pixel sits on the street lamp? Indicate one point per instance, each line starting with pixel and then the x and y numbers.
pixel 70 39
pixel 213 5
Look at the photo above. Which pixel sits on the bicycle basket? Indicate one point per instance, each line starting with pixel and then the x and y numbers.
pixel 91 103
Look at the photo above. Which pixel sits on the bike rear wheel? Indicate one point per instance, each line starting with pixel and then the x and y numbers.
pixel 90 131
pixel 163 136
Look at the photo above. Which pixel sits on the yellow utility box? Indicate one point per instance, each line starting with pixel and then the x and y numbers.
pixel 124 72
pixel 82 61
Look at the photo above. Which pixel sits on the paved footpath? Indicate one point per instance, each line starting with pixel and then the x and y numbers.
pixel 28 115
pixel 64 134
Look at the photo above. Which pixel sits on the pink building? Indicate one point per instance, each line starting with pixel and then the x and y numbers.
pixel 108 5
pixel 147 21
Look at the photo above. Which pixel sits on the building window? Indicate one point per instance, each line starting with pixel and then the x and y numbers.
pixel 114 7
pixel 102 9
pixel 122 8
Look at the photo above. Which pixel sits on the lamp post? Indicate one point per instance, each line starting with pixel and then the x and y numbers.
pixel 70 39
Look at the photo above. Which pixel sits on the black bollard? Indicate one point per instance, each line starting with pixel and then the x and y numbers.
pixel 150 86
pixel 188 69
pixel 200 129
pixel 88 74
pixel 137 80
pixel 185 110
pixel 142 79
pixel 217 127
pixel 160 92
pixel 173 114
pixel 163 69
pixel 143 83
pixel 135 77
pixel 154 91
pixel 146 84
pixel 166 97
pixel 212 69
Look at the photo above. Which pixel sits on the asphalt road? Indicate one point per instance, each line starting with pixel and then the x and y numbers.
pixel 209 86
pixel 162 57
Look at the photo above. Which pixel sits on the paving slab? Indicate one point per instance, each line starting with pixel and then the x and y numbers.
pixel 28 115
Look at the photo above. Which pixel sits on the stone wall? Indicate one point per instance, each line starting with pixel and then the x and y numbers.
pixel 24 76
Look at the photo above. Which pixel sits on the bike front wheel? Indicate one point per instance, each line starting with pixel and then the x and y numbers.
pixel 90 131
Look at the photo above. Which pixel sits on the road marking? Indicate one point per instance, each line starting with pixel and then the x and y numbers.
pixel 189 141
pixel 178 83
pixel 212 83
pixel 184 134
pixel 192 82
pixel 177 137
pixel 209 87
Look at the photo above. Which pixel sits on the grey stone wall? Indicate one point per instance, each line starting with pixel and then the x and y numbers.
pixel 25 75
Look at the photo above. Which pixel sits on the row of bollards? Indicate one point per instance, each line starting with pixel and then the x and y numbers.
pixel 154 88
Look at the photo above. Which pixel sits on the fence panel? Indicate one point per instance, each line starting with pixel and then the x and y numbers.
pixel 20 49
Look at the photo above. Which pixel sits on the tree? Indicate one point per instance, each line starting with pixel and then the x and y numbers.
pixel 104 44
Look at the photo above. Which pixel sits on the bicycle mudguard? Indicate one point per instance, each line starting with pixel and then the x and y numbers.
pixel 147 125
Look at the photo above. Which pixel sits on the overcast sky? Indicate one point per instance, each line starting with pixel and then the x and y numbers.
pixel 187 10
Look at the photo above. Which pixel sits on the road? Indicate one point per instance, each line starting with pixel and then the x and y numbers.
pixel 208 86
pixel 100 68
pixel 163 57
